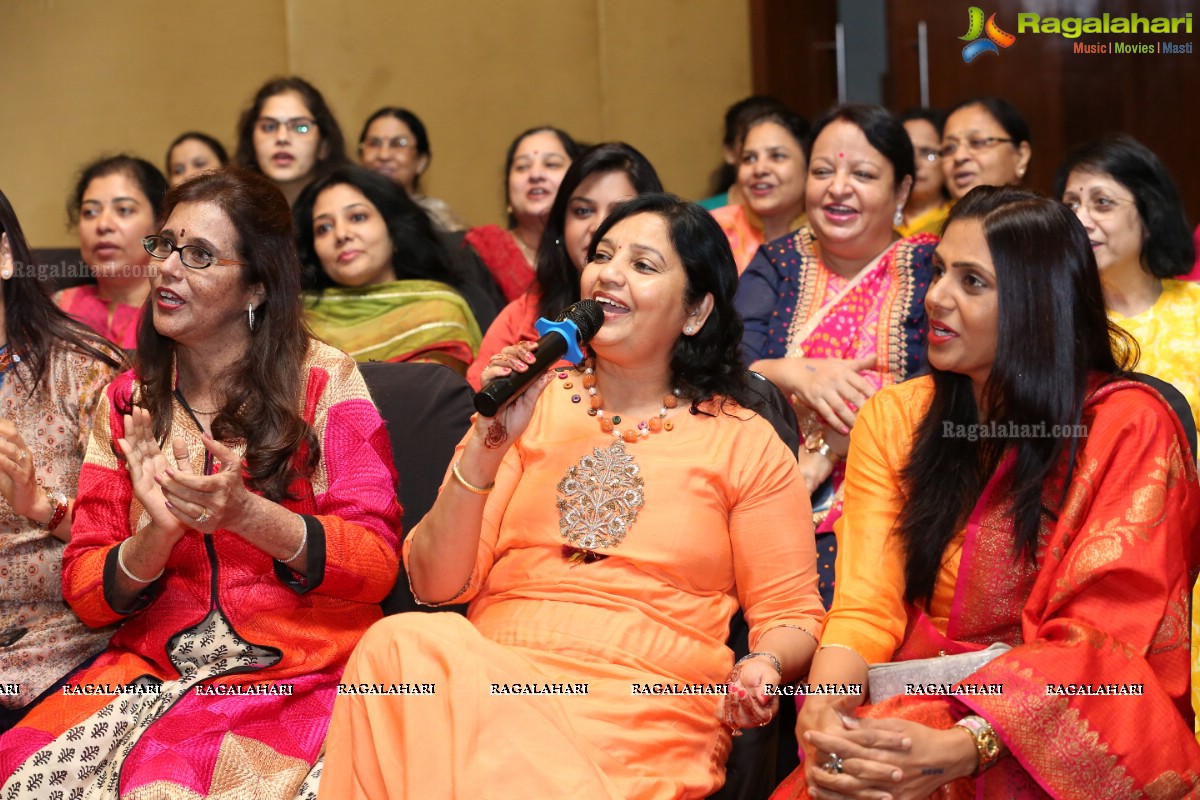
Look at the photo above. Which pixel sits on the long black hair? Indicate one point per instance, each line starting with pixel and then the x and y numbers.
pixel 1053 336
pixel 331 152
pixel 1168 249
pixel 417 250
pixel 557 275
pixel 33 324
pixel 707 364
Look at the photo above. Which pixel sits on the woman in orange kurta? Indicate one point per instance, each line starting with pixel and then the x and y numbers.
pixel 602 558
pixel 967 525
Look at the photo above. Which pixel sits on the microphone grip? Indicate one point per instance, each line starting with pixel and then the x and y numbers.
pixel 493 397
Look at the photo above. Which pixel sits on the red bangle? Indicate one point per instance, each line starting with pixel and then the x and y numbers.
pixel 60 507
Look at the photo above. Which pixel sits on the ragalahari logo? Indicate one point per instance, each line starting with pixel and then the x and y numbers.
pixel 996 38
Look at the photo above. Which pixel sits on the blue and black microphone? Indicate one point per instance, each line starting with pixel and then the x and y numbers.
pixel 561 338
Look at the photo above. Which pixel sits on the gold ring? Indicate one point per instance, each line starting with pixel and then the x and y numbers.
pixel 204 516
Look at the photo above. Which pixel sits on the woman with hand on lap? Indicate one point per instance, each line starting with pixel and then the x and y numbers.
pixel 382 283
pixel 115 204
pixel 605 549
pixel 1074 548
pixel 834 311
pixel 534 167
pixel 52 374
pixel 236 512
pixel 603 177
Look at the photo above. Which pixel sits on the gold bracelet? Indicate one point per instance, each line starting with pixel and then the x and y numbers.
pixel 988 746
pixel 470 487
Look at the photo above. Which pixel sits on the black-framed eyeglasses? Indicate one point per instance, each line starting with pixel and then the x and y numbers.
pixel 301 126
pixel 974 144
pixel 378 143
pixel 191 256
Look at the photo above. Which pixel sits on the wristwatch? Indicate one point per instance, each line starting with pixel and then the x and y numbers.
pixel 987 743
pixel 58 507
pixel 815 443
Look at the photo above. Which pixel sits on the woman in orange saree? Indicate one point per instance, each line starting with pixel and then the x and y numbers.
pixel 1072 545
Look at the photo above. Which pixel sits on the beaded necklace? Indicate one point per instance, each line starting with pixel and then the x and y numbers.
pixel 609 423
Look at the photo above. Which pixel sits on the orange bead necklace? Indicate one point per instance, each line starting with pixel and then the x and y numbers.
pixel 609 423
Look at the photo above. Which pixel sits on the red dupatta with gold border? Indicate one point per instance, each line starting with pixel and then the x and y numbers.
pixel 1105 603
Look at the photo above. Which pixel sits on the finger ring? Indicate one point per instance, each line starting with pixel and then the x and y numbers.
pixel 22 457
pixel 834 765
pixel 204 515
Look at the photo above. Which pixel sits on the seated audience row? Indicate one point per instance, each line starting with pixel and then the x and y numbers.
pixel 249 544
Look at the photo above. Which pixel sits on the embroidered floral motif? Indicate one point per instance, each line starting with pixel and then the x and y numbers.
pixel 600 498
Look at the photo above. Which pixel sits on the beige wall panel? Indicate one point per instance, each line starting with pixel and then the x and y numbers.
pixel 477 72
pixel 657 73
pixel 80 79
pixel 670 68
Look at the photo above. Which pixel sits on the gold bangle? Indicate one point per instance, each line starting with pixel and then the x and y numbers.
pixel 988 746
pixel 470 487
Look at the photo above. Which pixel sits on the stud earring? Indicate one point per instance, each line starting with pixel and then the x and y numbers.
pixel 250 314
pixel 688 330
pixel 898 218
pixel 1021 172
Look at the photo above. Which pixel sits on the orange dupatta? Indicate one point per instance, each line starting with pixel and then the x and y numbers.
pixel 1105 603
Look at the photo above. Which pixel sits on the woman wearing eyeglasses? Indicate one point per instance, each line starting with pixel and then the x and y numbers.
pixel 985 142
pixel 236 513
pixel 1134 219
pixel 290 135
pixel 114 205
pixel 394 143
pixel 927 206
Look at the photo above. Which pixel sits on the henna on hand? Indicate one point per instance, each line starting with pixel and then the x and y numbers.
pixel 496 435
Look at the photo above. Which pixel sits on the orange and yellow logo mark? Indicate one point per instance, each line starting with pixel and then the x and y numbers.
pixel 996 38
